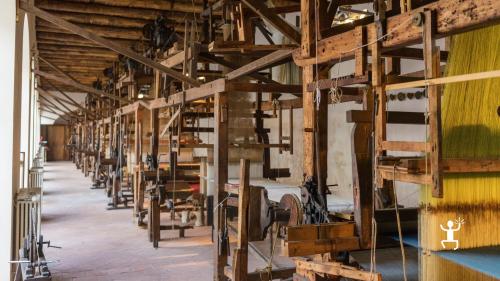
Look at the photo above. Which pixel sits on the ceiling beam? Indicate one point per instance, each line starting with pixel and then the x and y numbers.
pixel 60 101
pixel 75 39
pixel 260 8
pixel 78 85
pixel 107 43
pixel 129 8
pixel 103 31
pixel 51 105
pixel 70 101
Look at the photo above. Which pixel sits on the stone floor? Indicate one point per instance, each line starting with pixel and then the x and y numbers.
pixel 98 244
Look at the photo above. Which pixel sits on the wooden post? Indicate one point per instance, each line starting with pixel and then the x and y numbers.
pixel 307 27
pixel 431 59
pixel 379 92
pixel 138 135
pixel 221 176
pixel 240 258
pixel 362 175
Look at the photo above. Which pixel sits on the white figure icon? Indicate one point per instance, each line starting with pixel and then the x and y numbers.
pixel 450 232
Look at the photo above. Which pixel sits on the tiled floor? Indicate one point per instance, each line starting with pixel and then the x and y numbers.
pixel 106 245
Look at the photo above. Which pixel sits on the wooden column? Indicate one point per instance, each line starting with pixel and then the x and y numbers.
pixel 315 114
pixel 307 27
pixel 138 135
pixel 379 92
pixel 432 59
pixel 362 174
pixel 221 177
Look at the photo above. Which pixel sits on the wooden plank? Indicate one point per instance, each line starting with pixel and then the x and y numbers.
pixel 78 85
pixel 28 7
pixel 444 80
pixel 467 15
pixel 455 165
pixel 240 258
pixel 406 146
pixel 170 122
pixel 393 117
pixel 235 47
pixel 204 91
pixel 320 246
pixel 262 88
pixel 259 64
pixel 260 8
pixel 389 173
pixel 276 273
pixel 337 269
pixel 322 231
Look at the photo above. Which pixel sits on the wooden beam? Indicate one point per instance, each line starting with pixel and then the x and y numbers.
pixel 97 30
pixel 445 80
pixel 148 10
pixel 393 117
pixel 263 88
pixel 456 165
pixel 234 65
pixel 170 122
pixel 75 39
pixel 106 43
pixel 70 101
pixel 260 8
pixel 68 112
pixel 78 85
pixel 307 29
pixel 259 64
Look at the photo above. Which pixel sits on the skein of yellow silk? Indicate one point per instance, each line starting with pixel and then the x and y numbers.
pixel 471 129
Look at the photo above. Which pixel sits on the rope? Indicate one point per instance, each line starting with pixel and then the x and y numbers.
pixel 269 267
pixel 222 202
pixel 334 91
pixel 399 223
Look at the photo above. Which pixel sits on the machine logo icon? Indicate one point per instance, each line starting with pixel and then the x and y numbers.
pixel 450 232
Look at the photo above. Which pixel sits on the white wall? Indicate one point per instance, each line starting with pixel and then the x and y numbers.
pixel 7 63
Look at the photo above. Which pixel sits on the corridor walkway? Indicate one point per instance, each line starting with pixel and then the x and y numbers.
pixel 106 245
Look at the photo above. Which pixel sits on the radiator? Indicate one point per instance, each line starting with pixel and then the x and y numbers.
pixel 27 199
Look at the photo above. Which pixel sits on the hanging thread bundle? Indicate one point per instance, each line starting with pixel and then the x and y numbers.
pixel 470 129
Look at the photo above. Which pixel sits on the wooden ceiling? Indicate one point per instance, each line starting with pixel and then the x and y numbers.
pixel 118 20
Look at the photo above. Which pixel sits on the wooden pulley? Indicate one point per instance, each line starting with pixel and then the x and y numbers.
pixel 293 206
